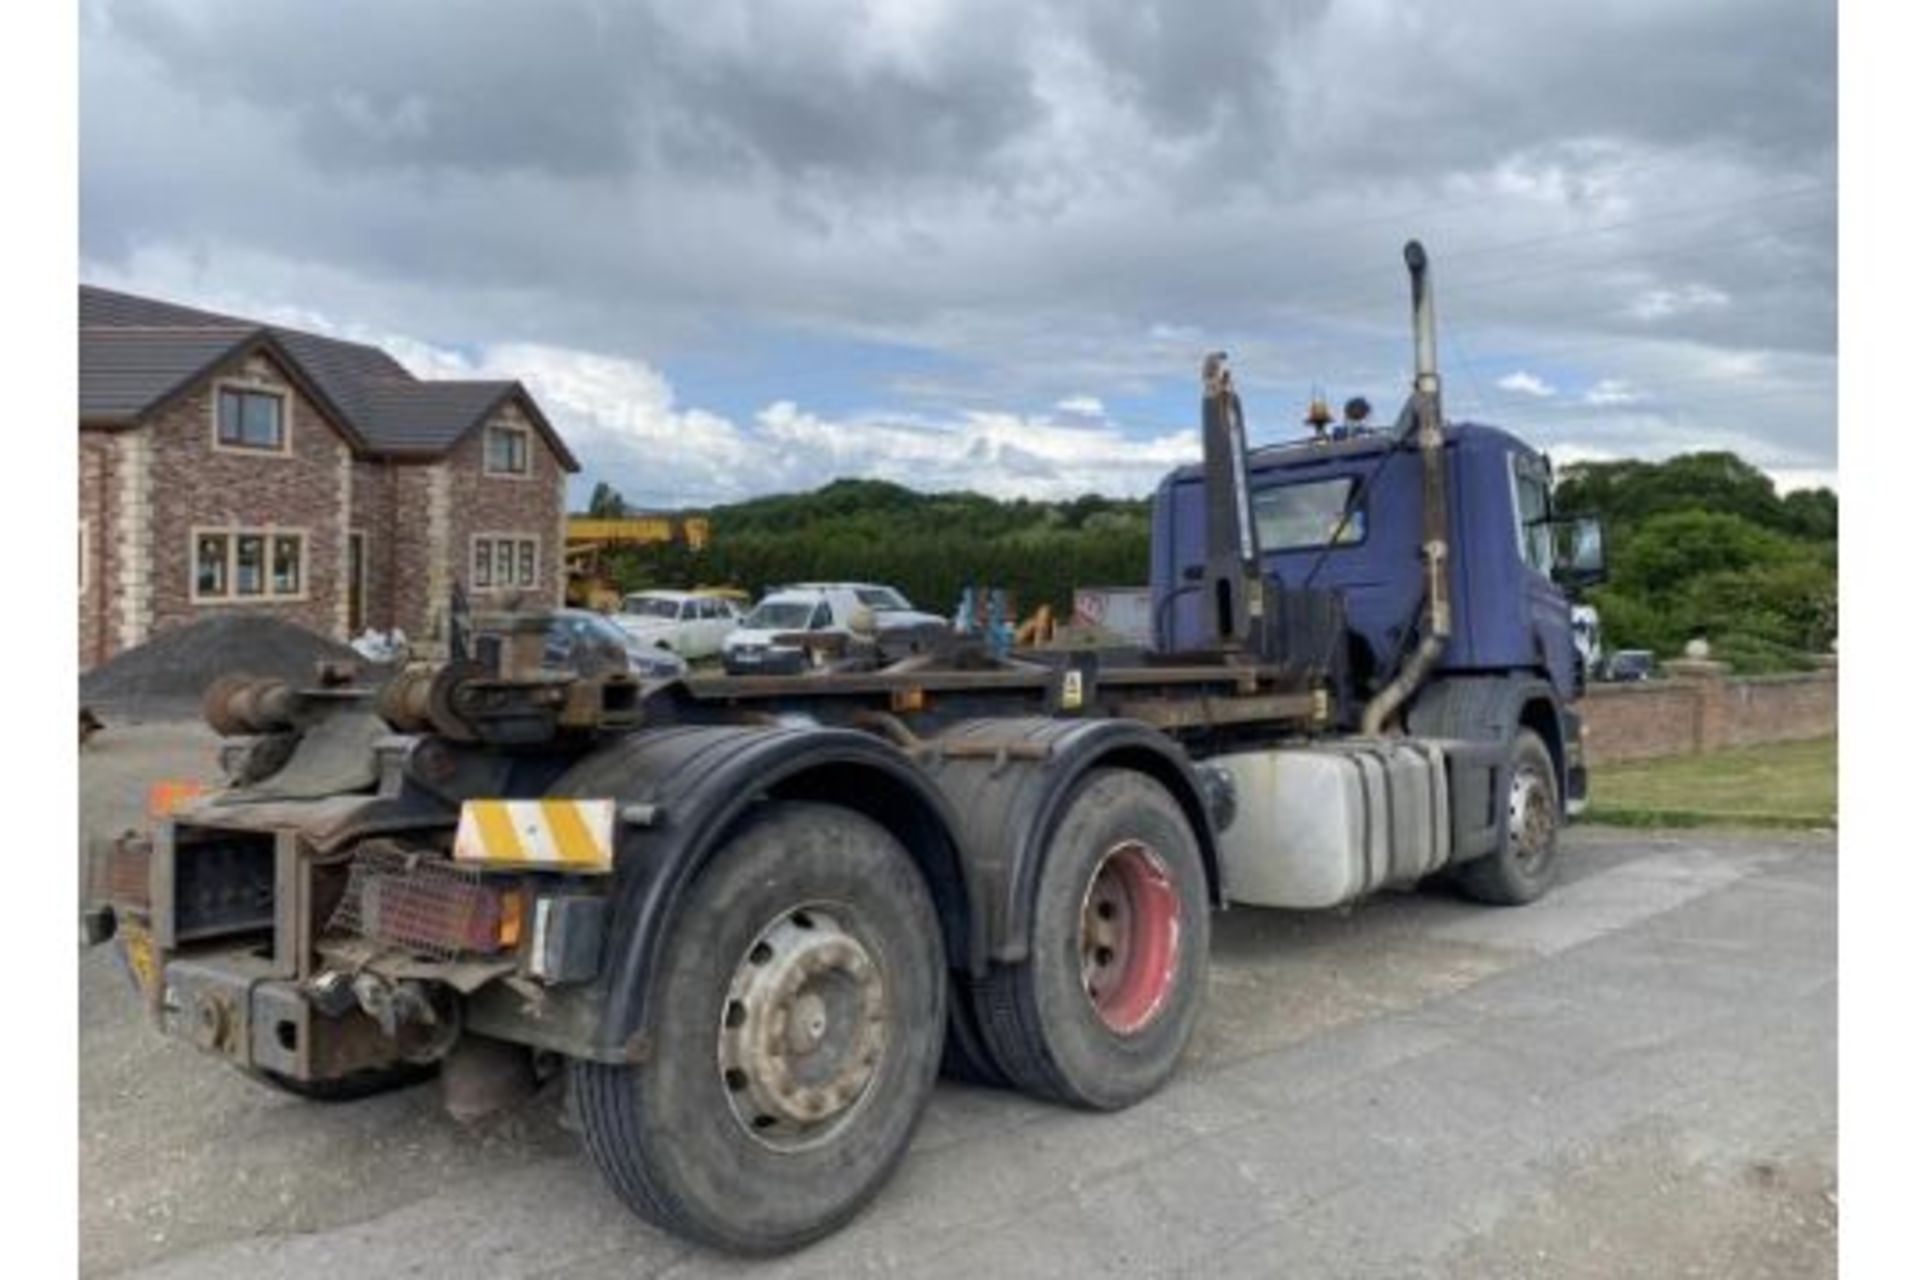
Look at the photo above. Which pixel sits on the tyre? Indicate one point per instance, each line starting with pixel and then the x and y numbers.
pixel 966 1059
pixel 795 1025
pixel 353 1086
pixel 1102 1009
pixel 1526 864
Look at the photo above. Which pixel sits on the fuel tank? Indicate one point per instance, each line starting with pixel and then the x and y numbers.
pixel 1322 824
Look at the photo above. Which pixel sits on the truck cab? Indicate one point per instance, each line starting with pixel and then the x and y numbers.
pixel 1344 515
pixel 1451 747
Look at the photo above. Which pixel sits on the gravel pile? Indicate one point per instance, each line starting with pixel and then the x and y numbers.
pixel 167 675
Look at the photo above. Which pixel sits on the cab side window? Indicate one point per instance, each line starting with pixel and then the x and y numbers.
pixel 1532 507
pixel 822 617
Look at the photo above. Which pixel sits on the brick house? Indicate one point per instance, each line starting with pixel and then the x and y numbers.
pixel 231 465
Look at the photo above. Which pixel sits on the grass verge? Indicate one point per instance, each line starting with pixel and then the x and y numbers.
pixel 1791 785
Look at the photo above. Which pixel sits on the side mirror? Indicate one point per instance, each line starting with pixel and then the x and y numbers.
pixel 1579 551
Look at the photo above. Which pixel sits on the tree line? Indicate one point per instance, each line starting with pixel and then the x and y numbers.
pixel 1703 545
pixel 931 546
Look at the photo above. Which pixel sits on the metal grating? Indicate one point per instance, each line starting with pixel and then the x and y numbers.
pixel 128 866
pixel 420 902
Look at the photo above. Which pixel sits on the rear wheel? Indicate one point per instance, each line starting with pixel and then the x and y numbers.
pixel 796 1031
pixel 1526 864
pixel 1101 1011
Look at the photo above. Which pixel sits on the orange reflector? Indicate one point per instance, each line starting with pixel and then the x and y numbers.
pixel 512 909
pixel 911 698
pixel 166 797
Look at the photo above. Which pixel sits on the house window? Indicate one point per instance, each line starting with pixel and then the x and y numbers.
pixel 502 563
pixel 252 420
pixel 506 451
pixel 248 565
pixel 286 564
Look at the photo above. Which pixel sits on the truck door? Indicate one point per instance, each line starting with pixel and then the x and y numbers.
pixel 1546 616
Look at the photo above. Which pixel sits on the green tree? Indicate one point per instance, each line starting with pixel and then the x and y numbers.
pixel 606 502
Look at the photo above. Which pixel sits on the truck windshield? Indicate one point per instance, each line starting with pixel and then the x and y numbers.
pixel 1293 516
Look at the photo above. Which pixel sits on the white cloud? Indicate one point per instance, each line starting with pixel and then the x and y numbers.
pixel 1787 479
pixel 622 419
pixel 1660 304
pixel 1003 454
pixel 1524 383
pixel 1611 391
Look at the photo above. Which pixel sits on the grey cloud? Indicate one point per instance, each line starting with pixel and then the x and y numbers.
pixel 369 83
pixel 1029 190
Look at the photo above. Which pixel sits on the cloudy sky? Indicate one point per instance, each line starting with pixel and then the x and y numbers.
pixel 740 247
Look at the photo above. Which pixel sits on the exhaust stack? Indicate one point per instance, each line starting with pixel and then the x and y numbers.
pixel 1423 407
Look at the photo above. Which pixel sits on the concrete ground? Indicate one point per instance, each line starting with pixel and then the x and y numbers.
pixel 1633 1076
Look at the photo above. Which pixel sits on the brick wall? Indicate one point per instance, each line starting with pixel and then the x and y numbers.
pixel 529 506
pixel 372 518
pixel 1702 709
pixel 1777 708
pixel 99 571
pixel 193 485
pixel 419 543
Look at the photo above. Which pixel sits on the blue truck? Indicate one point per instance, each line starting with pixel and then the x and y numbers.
pixel 750 919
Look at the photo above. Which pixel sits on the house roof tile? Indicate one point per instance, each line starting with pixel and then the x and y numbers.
pixel 135 352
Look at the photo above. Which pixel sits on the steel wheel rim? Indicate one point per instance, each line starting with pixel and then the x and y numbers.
pixel 803 1031
pixel 1529 816
pixel 1129 937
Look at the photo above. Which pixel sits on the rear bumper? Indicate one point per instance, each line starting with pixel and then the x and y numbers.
pixel 227 1005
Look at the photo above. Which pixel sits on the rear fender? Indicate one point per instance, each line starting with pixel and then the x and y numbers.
pixel 680 791
pixel 1009 780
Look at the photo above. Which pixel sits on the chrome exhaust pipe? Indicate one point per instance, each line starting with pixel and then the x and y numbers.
pixel 1436 624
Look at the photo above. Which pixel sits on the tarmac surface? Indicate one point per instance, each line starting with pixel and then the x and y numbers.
pixel 1635 1075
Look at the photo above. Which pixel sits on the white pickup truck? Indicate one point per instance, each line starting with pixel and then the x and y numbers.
pixel 690 624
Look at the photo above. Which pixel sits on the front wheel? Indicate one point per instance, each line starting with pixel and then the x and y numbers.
pixel 1525 865
pixel 1109 995
pixel 796 1025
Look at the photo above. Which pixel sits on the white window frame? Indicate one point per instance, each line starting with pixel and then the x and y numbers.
pixel 518 543
pixel 233 534
pixel 526 451
pixel 241 385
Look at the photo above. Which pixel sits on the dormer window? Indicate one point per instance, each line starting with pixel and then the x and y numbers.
pixel 252 420
pixel 506 451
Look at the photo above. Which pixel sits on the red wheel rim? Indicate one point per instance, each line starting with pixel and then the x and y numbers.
pixel 1129 937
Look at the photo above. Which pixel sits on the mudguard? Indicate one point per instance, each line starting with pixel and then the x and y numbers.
pixel 1489 709
pixel 1008 781
pixel 681 789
